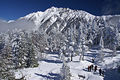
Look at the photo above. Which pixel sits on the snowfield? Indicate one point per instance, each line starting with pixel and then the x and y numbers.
pixel 49 69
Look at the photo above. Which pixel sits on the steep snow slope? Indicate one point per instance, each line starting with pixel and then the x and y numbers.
pixel 57 16
pixel 65 16
pixel 60 12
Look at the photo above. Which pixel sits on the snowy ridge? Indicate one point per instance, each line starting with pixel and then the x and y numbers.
pixel 37 17
pixel 54 20
pixel 50 17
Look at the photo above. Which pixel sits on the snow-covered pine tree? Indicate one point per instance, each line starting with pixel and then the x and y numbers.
pixel 40 43
pixel 116 41
pixel 80 43
pixel 23 48
pixel 6 63
pixel 39 40
pixel 2 42
pixel 70 43
pixel 65 72
pixel 31 55
pixel 19 48
pixel 101 44
pixel 15 49
pixel 82 40
pixel 5 71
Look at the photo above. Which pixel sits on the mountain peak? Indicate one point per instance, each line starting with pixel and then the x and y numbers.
pixel 32 15
pixel 62 13
pixel 53 7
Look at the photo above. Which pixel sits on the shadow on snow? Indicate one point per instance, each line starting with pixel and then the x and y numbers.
pixel 52 61
pixel 51 76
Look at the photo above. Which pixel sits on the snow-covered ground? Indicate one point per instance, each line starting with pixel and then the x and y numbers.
pixel 49 69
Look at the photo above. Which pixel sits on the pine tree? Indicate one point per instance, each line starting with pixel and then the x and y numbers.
pixel 80 43
pixel 23 49
pixel 70 43
pixel 5 71
pixel 40 43
pixel 116 41
pixel 101 48
pixel 101 43
pixel 6 62
pixel 65 72
pixel 31 55
pixel 2 42
pixel 15 50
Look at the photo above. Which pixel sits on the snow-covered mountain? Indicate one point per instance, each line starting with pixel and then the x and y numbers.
pixel 59 17
pixel 53 13
pixel 65 20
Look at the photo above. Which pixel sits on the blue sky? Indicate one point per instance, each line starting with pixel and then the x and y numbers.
pixel 13 9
